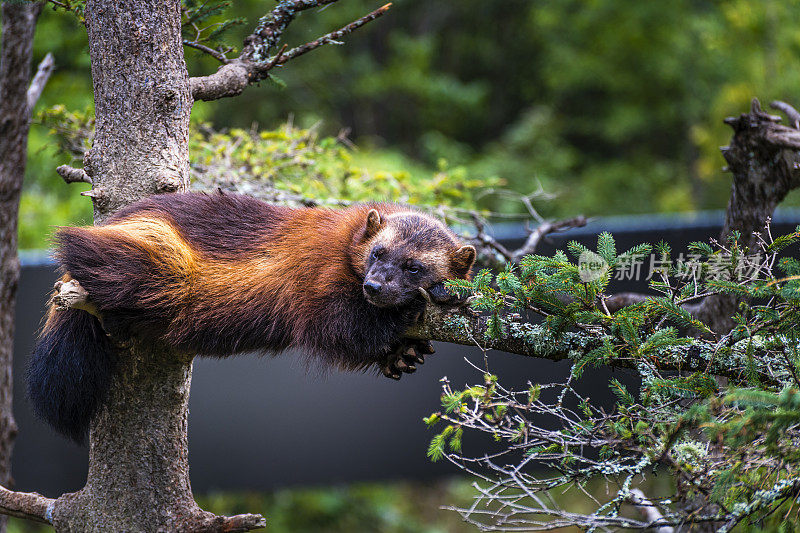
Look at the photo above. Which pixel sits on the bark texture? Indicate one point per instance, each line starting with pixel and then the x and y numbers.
pixel 142 102
pixel 138 461
pixel 16 51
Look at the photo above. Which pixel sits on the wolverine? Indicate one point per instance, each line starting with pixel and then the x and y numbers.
pixel 221 274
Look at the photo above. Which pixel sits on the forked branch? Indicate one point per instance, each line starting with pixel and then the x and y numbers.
pixel 256 60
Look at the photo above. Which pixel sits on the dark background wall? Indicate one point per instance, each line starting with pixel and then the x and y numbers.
pixel 262 423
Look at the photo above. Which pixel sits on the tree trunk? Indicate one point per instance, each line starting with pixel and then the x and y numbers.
pixel 138 461
pixel 142 102
pixel 19 22
pixel 763 157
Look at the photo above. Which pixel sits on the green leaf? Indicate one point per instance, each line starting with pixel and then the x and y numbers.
pixel 436 448
pixel 594 357
pixel 621 392
pixel 678 314
pixel 606 247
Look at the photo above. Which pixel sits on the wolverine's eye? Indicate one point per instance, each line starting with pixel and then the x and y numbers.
pixel 413 269
pixel 377 252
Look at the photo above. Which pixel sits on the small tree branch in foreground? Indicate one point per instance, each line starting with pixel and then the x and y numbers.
pixel 28 505
pixel 255 62
pixel 219 56
pixel 334 36
pixel 498 254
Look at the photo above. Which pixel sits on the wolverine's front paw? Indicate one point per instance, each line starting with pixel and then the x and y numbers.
pixel 404 358
pixel 439 295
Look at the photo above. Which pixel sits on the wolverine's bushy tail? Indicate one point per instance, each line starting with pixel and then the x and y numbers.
pixel 70 371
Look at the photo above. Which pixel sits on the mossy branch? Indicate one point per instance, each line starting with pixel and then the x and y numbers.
pixel 534 340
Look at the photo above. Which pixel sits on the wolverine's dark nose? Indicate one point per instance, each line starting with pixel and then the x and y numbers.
pixel 372 287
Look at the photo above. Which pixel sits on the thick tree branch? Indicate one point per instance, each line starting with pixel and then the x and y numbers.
pixel 28 505
pixel 461 327
pixel 36 87
pixel 225 524
pixel 255 62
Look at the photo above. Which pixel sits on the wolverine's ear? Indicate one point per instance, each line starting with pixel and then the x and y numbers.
pixel 462 260
pixel 374 223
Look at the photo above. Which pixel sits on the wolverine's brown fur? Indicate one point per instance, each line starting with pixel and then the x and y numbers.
pixel 221 274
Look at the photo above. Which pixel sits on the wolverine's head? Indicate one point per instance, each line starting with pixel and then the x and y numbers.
pixel 405 251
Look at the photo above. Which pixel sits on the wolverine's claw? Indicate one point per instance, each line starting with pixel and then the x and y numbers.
pixel 425 347
pixel 442 296
pixel 426 295
pixel 389 374
pixel 404 357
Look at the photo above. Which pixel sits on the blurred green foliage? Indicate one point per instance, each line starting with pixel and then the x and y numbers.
pixel 288 165
pixel 392 507
pixel 616 106
pixel 296 166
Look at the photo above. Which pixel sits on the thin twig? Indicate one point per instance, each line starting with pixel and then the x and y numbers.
pixel 544 229
pixel 334 36
pixel 219 56
pixel 43 72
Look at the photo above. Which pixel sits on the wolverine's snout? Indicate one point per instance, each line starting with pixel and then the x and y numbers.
pixel 381 288
pixel 372 288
